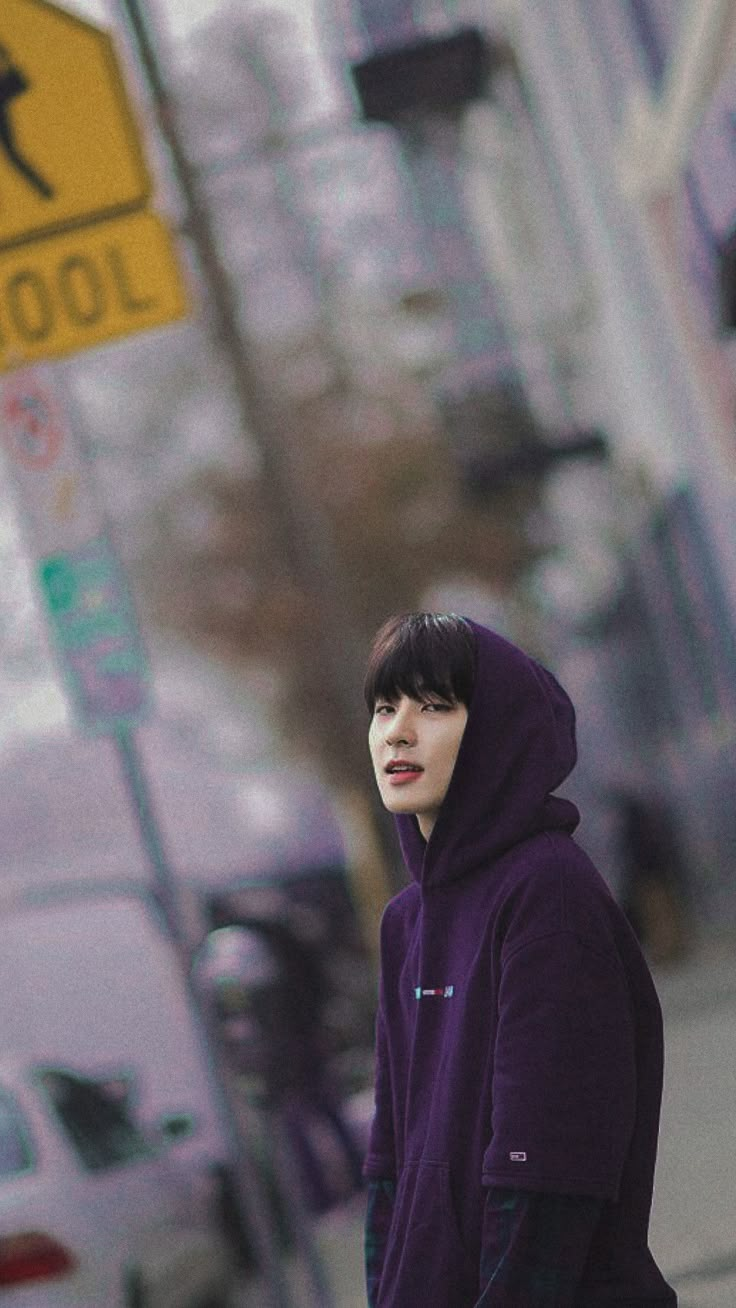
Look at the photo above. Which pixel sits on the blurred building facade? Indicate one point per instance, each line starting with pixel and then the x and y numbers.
pixel 651 194
pixel 597 173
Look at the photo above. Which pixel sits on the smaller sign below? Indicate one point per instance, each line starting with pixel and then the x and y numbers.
pixel 52 477
pixel 94 629
pixel 78 290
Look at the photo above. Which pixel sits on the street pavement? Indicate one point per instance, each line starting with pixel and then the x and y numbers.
pixel 694 1217
pixel 693 1232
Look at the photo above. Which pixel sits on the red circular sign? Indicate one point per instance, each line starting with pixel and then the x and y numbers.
pixel 32 431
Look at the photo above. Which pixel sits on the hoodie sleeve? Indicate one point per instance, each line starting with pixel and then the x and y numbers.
pixel 564 1082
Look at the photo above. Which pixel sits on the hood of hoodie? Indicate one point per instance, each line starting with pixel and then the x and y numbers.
pixel 517 748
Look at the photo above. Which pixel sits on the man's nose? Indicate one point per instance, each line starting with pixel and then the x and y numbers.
pixel 401 729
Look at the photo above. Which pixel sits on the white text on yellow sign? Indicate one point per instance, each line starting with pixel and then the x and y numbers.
pixel 78 290
pixel 69 148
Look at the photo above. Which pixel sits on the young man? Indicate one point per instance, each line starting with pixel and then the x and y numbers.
pixel 519 1036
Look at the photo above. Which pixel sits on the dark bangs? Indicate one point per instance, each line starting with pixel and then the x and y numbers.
pixel 417 654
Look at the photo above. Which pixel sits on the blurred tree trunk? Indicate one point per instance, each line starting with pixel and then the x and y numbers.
pixel 354 510
pixel 382 476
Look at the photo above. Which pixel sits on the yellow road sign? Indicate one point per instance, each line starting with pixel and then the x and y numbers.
pixel 69 145
pixel 85 287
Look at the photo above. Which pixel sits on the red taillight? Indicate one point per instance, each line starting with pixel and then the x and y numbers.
pixel 32 1256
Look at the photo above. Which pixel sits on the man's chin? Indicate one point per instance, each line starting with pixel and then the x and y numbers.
pixel 401 805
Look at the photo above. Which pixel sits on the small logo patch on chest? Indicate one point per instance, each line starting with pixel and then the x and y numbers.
pixel 518 1156
pixel 439 992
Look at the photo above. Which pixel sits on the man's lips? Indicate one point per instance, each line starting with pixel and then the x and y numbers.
pixel 401 771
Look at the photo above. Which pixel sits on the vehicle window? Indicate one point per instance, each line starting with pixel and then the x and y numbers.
pixel 16 1152
pixel 98 1126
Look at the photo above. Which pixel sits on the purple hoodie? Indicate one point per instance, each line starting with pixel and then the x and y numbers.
pixel 519 1035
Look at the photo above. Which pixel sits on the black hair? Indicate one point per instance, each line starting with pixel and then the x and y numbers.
pixel 417 654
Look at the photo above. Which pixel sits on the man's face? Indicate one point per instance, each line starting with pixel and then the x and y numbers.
pixel 414 745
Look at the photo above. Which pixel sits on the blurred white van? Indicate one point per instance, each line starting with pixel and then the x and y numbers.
pixel 93 982
pixel 91 1209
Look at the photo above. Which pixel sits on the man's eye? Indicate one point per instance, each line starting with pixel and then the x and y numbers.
pixel 436 705
pixel 382 710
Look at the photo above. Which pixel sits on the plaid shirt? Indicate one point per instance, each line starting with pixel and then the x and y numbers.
pixel 535 1246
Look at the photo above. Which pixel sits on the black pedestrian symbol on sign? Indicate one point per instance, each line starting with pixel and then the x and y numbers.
pixel 12 84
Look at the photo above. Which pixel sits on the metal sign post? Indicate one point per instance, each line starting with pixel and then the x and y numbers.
pixel 101 656
pixel 252 1193
pixel 83 261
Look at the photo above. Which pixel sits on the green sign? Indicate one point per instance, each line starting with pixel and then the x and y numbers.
pixel 96 634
